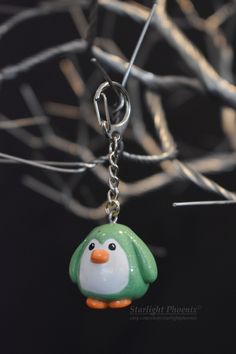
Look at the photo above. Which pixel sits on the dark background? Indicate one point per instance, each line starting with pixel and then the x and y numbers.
pixel 41 311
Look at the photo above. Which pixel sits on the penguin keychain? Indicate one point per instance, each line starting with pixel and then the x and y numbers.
pixel 113 266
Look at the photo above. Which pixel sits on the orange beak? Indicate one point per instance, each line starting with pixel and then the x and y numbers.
pixel 99 256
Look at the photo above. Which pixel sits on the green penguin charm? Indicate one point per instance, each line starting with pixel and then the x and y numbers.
pixel 112 267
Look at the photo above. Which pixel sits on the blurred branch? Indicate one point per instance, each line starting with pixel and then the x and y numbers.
pixel 209 165
pixel 23 122
pixel 158 83
pixel 44 9
pixel 61 198
pixel 212 76
pixel 191 56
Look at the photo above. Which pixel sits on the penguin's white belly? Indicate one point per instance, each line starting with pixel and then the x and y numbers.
pixel 106 278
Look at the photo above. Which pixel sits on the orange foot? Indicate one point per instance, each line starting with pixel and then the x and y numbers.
pixel 96 304
pixel 119 303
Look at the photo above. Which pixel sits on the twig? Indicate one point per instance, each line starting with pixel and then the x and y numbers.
pixel 63 199
pixel 22 122
pixel 47 165
pixel 192 57
pixel 72 76
pixel 152 81
pixel 24 136
pixel 25 65
pixel 30 13
pixel 203 181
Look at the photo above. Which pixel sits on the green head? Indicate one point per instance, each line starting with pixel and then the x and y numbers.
pixel 109 239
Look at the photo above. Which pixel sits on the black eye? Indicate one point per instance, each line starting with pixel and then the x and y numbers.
pixel 91 246
pixel 112 246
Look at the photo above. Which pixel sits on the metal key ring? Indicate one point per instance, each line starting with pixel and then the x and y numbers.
pixel 106 124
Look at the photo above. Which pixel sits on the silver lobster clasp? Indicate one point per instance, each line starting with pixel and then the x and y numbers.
pixel 107 125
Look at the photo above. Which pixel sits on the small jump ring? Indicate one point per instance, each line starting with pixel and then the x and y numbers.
pixel 113 207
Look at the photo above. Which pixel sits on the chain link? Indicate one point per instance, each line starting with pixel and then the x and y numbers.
pixel 113 204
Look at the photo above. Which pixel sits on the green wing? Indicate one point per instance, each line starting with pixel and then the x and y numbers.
pixel 73 268
pixel 146 261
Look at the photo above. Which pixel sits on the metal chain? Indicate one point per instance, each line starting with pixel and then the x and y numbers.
pixel 114 133
pixel 113 204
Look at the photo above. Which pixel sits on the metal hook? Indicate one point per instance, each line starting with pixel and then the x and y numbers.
pixel 105 75
pixel 107 125
pixel 120 104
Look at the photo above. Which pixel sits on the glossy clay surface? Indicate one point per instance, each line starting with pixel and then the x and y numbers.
pixel 105 278
pixel 125 272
